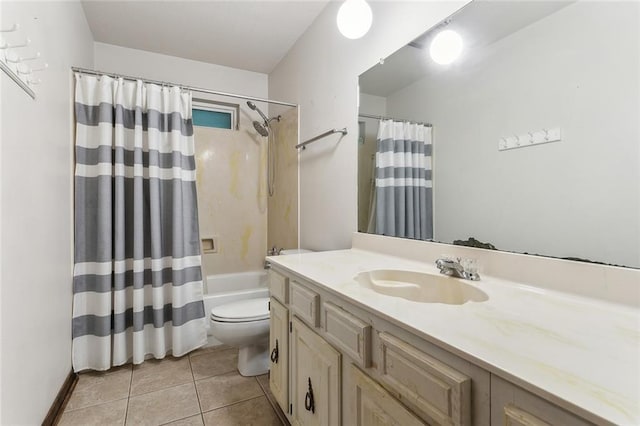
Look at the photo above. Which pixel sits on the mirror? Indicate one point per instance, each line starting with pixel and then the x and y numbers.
pixel 536 141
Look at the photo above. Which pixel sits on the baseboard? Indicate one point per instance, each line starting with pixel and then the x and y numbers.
pixel 53 416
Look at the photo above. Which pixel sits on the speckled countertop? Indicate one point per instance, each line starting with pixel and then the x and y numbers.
pixel 571 349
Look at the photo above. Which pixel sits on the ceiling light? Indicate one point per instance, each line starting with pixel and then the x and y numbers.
pixel 446 47
pixel 354 18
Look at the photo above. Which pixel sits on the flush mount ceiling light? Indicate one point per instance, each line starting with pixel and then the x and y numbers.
pixel 354 18
pixel 446 47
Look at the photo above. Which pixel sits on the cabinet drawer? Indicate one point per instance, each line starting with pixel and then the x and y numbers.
pixel 439 393
pixel 305 304
pixel 279 286
pixel 372 405
pixel 514 406
pixel 348 332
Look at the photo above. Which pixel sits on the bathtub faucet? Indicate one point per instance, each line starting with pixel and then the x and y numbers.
pixel 274 251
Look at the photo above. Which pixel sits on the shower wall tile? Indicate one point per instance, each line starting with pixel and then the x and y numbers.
pixel 283 205
pixel 232 204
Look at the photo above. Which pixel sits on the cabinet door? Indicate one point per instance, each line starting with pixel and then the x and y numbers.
pixel 279 352
pixel 315 378
pixel 371 405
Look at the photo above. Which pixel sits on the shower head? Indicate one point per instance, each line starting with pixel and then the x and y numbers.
pixel 255 108
pixel 260 128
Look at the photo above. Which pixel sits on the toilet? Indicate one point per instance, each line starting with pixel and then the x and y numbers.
pixel 245 324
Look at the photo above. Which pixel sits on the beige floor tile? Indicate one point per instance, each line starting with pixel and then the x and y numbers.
pixel 156 374
pixel 189 421
pixel 214 363
pixel 255 412
pixel 218 391
pixel 263 380
pixel 209 349
pixel 163 406
pixel 110 413
pixel 99 387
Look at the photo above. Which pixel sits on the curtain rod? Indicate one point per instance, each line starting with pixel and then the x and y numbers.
pixel 194 89
pixel 380 117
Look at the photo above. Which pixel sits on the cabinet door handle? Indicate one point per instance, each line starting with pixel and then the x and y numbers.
pixel 274 353
pixel 309 404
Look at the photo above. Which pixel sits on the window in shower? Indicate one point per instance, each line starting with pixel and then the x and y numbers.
pixel 220 115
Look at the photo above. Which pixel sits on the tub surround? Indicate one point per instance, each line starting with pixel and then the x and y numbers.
pixel 230 207
pixel 565 331
pixel 282 212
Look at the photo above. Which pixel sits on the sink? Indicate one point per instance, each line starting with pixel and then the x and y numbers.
pixel 421 286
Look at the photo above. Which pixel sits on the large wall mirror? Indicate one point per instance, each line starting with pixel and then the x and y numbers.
pixel 535 138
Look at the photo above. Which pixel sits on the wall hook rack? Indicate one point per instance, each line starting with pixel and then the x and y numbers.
pixel 13 28
pixel 14 64
pixel 530 138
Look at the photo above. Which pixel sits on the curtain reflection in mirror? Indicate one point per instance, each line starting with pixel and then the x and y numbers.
pixel 403 185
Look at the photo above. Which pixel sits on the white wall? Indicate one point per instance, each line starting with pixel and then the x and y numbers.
pixel 321 74
pixel 154 66
pixel 579 197
pixel 36 222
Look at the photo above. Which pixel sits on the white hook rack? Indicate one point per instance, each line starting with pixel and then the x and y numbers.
pixel 530 138
pixel 13 28
pixel 20 59
pixel 26 43
pixel 14 65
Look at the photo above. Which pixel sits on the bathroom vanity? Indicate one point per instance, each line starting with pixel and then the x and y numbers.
pixel 343 352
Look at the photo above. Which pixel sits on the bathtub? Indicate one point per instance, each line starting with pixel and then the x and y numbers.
pixel 226 288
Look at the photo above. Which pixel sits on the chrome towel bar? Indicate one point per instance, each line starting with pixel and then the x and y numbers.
pixel 327 133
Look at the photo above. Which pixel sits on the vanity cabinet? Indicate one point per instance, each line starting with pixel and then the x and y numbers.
pixel 348 366
pixel 351 364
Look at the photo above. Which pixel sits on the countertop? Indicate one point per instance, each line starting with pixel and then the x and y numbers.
pixel 569 349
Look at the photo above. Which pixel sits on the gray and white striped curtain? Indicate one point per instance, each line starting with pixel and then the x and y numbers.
pixel 404 206
pixel 137 286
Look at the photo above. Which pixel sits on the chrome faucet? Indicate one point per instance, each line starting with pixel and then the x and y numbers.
pixel 455 268
pixel 274 251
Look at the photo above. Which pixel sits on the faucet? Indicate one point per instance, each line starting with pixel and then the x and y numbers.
pixel 454 268
pixel 274 251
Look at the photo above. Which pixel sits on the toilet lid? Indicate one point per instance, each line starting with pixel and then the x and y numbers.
pixel 242 311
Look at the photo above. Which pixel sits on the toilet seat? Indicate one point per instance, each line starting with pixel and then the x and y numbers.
pixel 247 310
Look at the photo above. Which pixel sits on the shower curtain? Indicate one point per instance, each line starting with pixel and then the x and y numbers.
pixel 137 285
pixel 403 180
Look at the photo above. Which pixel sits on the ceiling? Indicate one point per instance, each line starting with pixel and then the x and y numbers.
pixel 480 23
pixel 250 35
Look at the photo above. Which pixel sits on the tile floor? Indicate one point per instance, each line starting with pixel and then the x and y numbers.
pixel 203 388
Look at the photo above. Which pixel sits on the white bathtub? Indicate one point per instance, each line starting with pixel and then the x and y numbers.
pixel 226 288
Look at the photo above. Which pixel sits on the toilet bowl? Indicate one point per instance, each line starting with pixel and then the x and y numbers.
pixel 245 324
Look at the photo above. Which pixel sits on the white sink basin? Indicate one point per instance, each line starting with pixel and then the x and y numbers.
pixel 421 286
